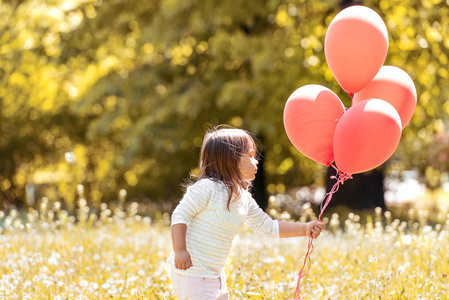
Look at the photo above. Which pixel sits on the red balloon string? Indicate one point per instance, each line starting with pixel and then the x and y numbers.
pixel 341 177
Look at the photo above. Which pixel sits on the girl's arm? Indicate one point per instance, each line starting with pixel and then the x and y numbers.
pixel 258 219
pixel 311 229
pixel 194 200
pixel 178 236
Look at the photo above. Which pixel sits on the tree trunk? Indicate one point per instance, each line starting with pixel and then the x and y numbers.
pixel 363 191
pixel 259 190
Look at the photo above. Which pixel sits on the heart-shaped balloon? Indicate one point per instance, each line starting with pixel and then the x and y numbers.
pixel 395 86
pixel 366 136
pixel 311 115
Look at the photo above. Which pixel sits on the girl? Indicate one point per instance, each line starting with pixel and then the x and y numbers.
pixel 213 210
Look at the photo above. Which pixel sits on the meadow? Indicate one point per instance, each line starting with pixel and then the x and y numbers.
pixel 119 253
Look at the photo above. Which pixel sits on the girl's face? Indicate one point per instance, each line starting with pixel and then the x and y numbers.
pixel 248 165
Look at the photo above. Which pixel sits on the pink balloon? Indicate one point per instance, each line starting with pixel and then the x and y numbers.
pixel 310 117
pixel 366 136
pixel 355 46
pixel 394 86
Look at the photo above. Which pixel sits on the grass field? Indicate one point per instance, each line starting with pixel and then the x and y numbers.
pixel 118 254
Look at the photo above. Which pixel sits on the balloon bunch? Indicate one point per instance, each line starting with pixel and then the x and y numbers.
pixel 383 98
pixel 364 136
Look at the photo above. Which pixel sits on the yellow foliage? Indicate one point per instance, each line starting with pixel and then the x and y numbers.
pixel 131 178
pixel 285 166
pixel 280 188
pixel 17 79
pixel 282 17
pixel 236 121
pixel 271 188
pixel 104 164
pixel 5 184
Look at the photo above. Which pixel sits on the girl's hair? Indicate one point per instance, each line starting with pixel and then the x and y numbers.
pixel 222 149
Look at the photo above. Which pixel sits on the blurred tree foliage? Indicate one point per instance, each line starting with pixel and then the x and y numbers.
pixel 130 87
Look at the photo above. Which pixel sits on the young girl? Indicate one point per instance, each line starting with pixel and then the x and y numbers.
pixel 213 210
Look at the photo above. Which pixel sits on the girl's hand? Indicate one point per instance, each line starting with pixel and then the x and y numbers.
pixel 182 260
pixel 314 228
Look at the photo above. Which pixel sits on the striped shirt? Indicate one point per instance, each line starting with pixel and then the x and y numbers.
pixel 211 227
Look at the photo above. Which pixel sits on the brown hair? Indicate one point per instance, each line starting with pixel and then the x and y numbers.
pixel 222 149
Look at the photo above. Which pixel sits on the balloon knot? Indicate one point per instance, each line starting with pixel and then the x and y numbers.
pixel 351 95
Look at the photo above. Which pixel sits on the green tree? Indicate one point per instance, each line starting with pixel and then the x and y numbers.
pixel 200 64
pixel 35 120
pixel 131 86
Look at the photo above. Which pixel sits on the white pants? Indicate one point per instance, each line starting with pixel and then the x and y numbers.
pixel 199 288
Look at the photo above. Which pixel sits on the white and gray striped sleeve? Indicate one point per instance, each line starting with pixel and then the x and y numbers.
pixel 194 200
pixel 259 220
